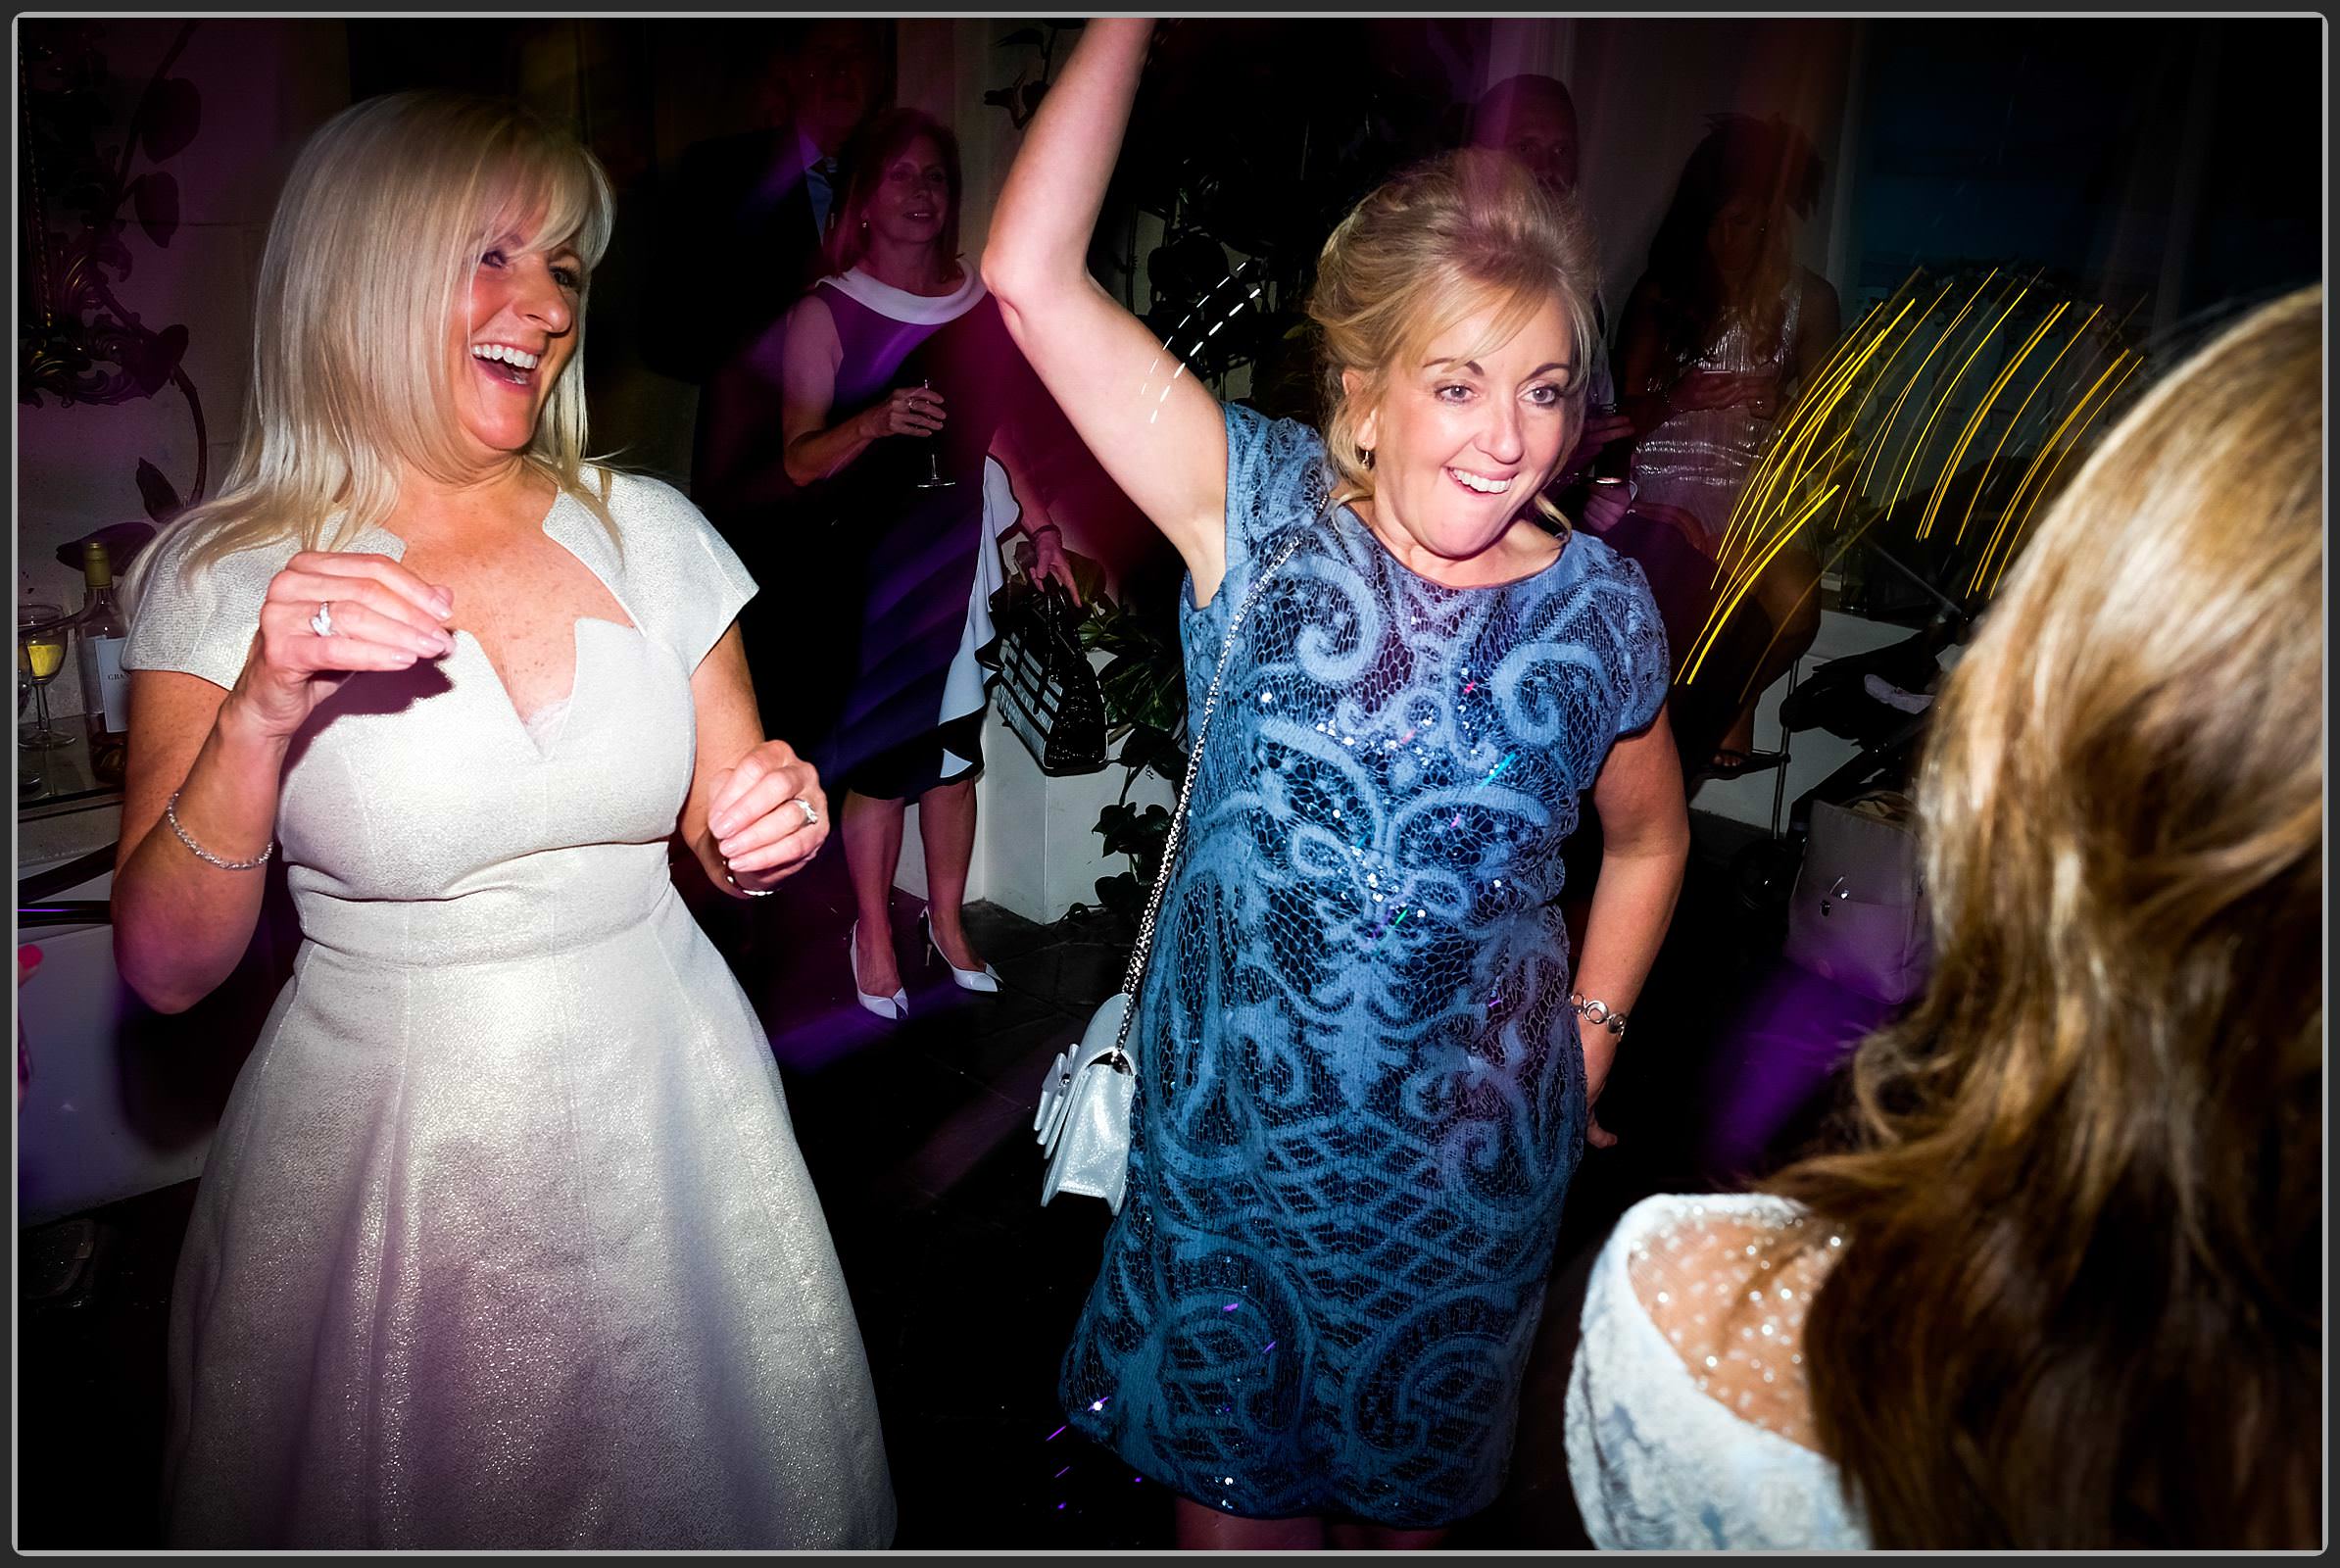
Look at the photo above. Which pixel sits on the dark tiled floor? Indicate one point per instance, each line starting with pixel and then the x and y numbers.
pixel 919 1138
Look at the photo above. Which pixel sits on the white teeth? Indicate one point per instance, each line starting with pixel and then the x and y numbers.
pixel 519 359
pixel 1485 487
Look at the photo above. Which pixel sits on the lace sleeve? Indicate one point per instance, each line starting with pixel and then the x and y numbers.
pixel 1277 479
pixel 1688 1425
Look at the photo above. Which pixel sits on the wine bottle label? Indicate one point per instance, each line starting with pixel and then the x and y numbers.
pixel 113 683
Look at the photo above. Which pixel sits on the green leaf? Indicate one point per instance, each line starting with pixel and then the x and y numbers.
pixel 1121 895
pixel 159 493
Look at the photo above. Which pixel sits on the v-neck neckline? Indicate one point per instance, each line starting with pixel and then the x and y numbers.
pixel 633 622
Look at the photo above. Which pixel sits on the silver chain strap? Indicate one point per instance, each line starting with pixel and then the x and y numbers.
pixel 1144 951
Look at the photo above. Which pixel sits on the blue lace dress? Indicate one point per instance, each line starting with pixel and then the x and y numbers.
pixel 1361 1093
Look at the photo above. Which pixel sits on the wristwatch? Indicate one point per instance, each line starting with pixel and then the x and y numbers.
pixel 1598 1014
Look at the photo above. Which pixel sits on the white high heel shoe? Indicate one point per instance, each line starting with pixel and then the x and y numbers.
pixel 896 1006
pixel 986 978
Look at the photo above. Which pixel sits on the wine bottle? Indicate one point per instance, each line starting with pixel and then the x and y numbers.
pixel 105 684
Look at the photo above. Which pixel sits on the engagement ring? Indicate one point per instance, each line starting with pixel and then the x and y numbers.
pixel 323 622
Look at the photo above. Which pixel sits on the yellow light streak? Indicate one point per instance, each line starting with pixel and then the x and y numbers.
pixel 2049 483
pixel 2038 335
pixel 1939 398
pixel 1705 641
pixel 2078 336
pixel 1958 449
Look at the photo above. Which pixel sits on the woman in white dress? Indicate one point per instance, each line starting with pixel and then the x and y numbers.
pixel 2066 1290
pixel 504 1240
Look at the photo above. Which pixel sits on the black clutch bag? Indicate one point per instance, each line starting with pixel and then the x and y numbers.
pixel 1049 693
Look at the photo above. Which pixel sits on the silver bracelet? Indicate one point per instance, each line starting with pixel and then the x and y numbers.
pixel 1597 1012
pixel 754 893
pixel 171 814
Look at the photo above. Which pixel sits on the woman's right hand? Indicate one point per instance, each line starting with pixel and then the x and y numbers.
pixel 383 617
pixel 906 410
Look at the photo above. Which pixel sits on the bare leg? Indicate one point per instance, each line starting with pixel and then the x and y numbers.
pixel 946 829
pixel 1199 1528
pixel 1346 1537
pixel 872 850
pixel 1788 593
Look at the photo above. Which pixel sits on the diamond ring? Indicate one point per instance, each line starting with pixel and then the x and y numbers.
pixel 811 816
pixel 323 622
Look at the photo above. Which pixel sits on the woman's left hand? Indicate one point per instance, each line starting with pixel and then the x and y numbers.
pixel 767 815
pixel 1049 563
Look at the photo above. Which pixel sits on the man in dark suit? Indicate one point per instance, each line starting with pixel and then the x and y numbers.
pixel 754 205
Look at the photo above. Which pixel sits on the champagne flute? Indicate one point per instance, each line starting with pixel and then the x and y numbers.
pixel 934 479
pixel 40 654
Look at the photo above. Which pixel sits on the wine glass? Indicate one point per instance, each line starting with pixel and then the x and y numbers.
pixel 31 774
pixel 40 654
pixel 934 479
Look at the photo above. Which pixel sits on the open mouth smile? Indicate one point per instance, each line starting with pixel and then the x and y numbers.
pixel 1481 484
pixel 504 363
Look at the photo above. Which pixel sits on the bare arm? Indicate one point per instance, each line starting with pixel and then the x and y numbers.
pixel 1155 429
pixel 1049 563
pixel 181 923
pixel 1646 842
pixel 739 818
pixel 812 449
pixel 227 776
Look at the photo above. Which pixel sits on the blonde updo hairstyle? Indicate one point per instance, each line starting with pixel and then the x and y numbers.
pixel 1456 234
pixel 369 256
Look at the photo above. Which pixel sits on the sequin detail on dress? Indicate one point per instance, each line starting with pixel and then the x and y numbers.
pixel 1361 1096
pixel 1688 1418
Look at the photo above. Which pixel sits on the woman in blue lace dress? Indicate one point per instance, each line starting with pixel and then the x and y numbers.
pixel 1364 1079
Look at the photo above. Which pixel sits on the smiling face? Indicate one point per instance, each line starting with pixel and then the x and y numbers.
pixel 913 197
pixel 514 337
pixel 1464 437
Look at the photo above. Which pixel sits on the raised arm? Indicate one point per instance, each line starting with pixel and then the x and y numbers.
pixel 1149 421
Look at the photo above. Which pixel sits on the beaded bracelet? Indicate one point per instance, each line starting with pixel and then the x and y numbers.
pixel 171 814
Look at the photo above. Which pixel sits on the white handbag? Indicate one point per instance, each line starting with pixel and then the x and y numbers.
pixel 1090 1092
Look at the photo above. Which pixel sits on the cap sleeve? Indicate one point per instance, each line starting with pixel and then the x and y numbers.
pixel 1641 637
pixel 1632 635
pixel 1276 479
pixel 686 583
pixel 201 621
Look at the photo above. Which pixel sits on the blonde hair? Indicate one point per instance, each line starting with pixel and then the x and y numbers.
pixel 2079 1303
pixel 1456 234
pixel 369 256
